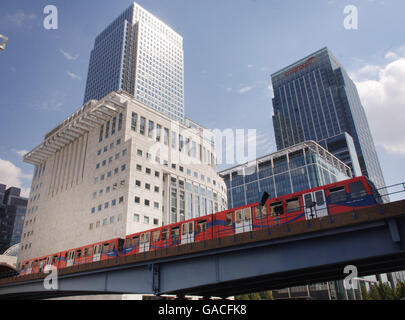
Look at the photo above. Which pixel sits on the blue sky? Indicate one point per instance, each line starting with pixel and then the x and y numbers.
pixel 231 48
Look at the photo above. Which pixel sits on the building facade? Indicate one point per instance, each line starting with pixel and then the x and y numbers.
pixel 113 168
pixel 314 99
pixel 143 56
pixel 12 214
pixel 304 166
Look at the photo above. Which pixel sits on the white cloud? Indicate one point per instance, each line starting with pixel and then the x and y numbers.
pixel 229 90
pixel 22 153
pixel 13 176
pixel 250 66
pixel 73 75
pixel 19 18
pixel 384 99
pixel 69 56
pixel 245 89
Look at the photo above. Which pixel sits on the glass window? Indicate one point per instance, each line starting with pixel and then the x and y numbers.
pixel 357 189
pixel 293 204
pixel 337 195
pixel 276 208
pixel 134 121
pixel 229 218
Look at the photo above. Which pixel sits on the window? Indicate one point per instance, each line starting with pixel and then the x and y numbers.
pixel 138 167
pixel 147 186
pixel 357 190
pixel 337 195
pixel 136 217
pixel 156 205
pixel 165 233
pixel 293 205
pixel 121 200
pixel 134 120
pixel 138 183
pixel 150 129
pixel 139 152
pixel 142 126
pixel 229 218
pixel 156 235
pixel 201 226
pixel 147 203
pixel 276 208
pixel 166 136
pixel 120 122
pixel 137 200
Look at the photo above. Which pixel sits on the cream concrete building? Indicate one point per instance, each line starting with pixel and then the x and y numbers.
pixel 113 168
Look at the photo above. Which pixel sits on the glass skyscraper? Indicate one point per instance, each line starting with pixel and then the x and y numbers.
pixel 141 55
pixel 314 99
pixel 304 166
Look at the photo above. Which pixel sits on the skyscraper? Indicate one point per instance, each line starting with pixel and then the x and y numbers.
pixel 12 215
pixel 143 56
pixel 315 99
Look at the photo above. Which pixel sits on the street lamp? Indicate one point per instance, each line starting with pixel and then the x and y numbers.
pixel 3 41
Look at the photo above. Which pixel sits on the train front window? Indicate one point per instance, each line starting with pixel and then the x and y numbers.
pixel 357 190
pixel 337 195
pixel 293 205
pixel 276 208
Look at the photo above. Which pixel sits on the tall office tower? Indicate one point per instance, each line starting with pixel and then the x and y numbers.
pixel 141 55
pixel 314 99
pixel 113 168
pixel 12 214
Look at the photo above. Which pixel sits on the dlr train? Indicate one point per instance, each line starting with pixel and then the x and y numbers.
pixel 332 199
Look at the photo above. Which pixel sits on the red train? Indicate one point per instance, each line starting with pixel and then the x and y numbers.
pixel 331 199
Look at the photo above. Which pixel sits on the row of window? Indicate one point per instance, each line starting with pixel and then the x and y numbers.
pixel 109 173
pixel 105 222
pixel 146 202
pixel 107 205
pixel 146 219
pixel 183 144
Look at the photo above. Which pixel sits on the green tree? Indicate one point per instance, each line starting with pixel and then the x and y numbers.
pixel 400 291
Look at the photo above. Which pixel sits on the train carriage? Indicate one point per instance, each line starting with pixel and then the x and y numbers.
pixel 332 199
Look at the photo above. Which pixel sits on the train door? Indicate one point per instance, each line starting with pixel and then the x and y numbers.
pixel 145 242
pixel 70 259
pixel 30 267
pixel 243 220
pixel 48 264
pixel 315 205
pixel 97 252
pixel 187 233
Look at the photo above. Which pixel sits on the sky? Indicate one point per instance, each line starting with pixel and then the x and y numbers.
pixel 231 48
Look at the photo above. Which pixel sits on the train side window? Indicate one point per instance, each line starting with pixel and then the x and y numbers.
pixel 90 251
pixel 357 190
pixel 276 208
pixel 201 226
pixel 165 232
pixel 79 254
pixel 155 235
pixel 142 238
pixel 308 201
pixel 319 198
pixel 293 205
pixel 184 229
pixel 229 218
pixel 85 252
pixel 135 241
pixel 247 214
pixel 190 227
pixel 55 258
pixel 175 232
pixel 238 216
pixel 337 194
pixel 105 247
pixel 112 246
